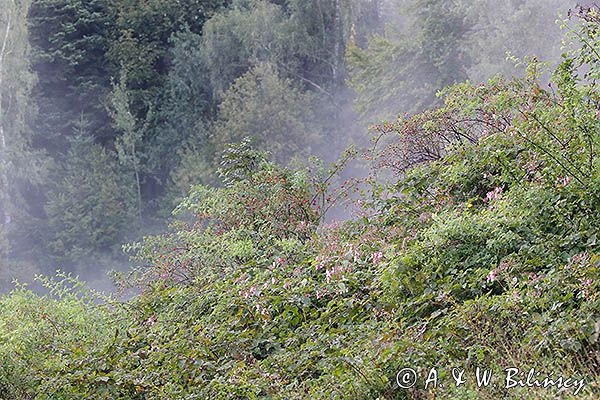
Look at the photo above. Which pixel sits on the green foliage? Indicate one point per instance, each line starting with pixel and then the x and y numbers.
pixel 405 72
pixel 70 39
pixel 481 250
pixel 186 113
pixel 270 110
pixel 82 47
pixel 303 40
pixel 508 27
pixel 91 205
pixel 485 254
pixel 131 139
pixel 261 208
pixel 33 328
pixel 184 71
pixel 234 41
pixel 195 168
pixel 20 166
pixel 140 46
pixel 434 43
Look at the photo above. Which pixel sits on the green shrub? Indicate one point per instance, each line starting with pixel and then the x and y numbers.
pixel 482 252
pixel 39 335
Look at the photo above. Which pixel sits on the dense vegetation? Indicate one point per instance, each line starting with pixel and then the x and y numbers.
pixel 474 240
pixel 155 90
pixel 480 249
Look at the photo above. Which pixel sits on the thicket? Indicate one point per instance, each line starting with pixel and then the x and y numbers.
pixel 480 250
pixel 158 88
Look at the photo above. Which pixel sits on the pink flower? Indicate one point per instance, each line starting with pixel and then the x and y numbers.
pixel 321 261
pixel 492 276
pixel 585 292
pixel 336 271
pixel 302 225
pixel 376 257
pixel 329 274
pixel 250 292
pixel 424 217
pixel 494 194
pixel 565 180
pixel 580 258
pixel 503 266
pixel 279 262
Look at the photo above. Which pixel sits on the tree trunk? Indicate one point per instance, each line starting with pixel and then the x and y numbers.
pixel 338 37
pixel 139 193
pixel 4 184
pixel 137 182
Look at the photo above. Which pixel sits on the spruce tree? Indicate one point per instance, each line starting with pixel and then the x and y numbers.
pixel 70 39
pixel 91 204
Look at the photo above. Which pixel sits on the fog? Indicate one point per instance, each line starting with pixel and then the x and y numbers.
pixel 71 146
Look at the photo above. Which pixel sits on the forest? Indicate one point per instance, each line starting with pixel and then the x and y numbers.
pixel 299 199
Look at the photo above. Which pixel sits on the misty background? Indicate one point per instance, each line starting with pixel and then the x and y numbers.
pixel 111 109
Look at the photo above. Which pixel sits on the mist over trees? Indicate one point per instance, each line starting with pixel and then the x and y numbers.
pixel 204 150
pixel 111 110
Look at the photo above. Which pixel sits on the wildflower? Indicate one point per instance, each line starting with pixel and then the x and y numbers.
pixel 579 258
pixel 376 257
pixel 279 262
pixel 533 276
pixel 585 292
pixel 492 276
pixel 357 255
pixel 424 217
pixel 329 274
pixel 321 261
pixel 250 292
pixel 504 265
pixel 565 180
pixel 494 194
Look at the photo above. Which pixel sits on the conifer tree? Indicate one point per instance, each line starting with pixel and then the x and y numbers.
pixel 70 39
pixel 91 204
pixel 129 142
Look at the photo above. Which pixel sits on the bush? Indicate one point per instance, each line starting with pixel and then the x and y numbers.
pixel 40 335
pixel 485 254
